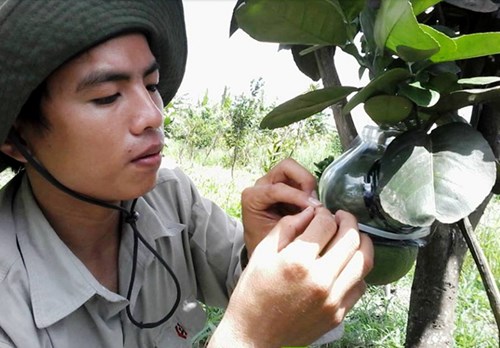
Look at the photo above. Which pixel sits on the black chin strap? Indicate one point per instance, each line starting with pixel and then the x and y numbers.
pixel 129 216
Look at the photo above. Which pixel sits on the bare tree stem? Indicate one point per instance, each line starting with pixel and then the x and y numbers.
pixel 483 268
pixel 344 123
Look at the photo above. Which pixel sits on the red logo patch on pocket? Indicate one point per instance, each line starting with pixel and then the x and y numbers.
pixel 180 331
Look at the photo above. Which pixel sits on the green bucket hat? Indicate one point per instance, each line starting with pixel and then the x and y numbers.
pixel 38 36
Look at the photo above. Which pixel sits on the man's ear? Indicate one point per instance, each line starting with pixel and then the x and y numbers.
pixel 11 150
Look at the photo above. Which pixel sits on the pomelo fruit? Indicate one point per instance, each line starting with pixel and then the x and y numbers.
pixel 391 262
pixel 388 109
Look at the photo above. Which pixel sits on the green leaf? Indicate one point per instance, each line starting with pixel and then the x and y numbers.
pixel 479 80
pixel 440 176
pixel 304 106
pixel 388 15
pixel 353 51
pixel 367 19
pixel 420 6
pixel 386 83
pixel 459 99
pixel 306 63
pixel 308 22
pixel 445 82
pixel 234 24
pixel 411 54
pixel 446 43
pixel 420 96
pixel 469 46
pixel 396 28
pixel 352 8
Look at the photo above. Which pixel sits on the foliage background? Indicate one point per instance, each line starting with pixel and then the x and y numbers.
pixel 197 144
pixel 379 319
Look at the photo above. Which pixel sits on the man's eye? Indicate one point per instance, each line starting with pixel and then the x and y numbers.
pixel 152 87
pixel 106 100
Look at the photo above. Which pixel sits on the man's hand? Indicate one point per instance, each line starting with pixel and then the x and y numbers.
pixel 286 189
pixel 301 281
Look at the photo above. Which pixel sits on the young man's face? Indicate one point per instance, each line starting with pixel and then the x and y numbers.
pixel 106 119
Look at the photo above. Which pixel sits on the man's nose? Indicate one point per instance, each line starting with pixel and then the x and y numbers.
pixel 147 111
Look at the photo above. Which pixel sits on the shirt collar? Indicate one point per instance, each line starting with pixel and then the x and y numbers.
pixel 59 281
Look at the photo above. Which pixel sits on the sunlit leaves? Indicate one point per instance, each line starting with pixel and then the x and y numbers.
pixel 396 28
pixel 468 46
pixel 420 6
pixel 440 176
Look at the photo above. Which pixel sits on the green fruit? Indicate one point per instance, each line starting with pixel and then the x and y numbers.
pixel 391 263
pixel 388 109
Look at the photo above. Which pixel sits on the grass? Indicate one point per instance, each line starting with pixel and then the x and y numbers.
pixel 379 318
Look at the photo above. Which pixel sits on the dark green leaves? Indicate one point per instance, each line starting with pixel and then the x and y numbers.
pixel 352 8
pixel 440 176
pixel 304 106
pixel 308 22
pixel 461 98
pixel 419 95
pixel 384 84
pixel 425 177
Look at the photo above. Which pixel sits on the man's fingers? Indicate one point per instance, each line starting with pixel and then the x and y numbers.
pixel 316 236
pixel 290 172
pixel 269 195
pixel 343 246
pixel 355 270
pixel 346 303
pixel 285 231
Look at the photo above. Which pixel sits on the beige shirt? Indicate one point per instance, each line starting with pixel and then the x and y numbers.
pixel 48 298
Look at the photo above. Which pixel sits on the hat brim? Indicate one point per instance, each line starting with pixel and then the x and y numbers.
pixel 36 37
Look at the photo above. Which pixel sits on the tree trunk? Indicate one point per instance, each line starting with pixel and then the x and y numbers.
pixel 434 290
pixel 431 318
pixel 432 304
pixel 345 125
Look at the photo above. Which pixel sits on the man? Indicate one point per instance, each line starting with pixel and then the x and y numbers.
pixel 100 248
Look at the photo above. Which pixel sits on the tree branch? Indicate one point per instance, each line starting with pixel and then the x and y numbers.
pixel 328 72
pixel 483 267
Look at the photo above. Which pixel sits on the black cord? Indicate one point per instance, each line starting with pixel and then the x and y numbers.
pixel 131 220
pixel 130 217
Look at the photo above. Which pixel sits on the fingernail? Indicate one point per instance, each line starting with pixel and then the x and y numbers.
pixel 314 202
pixel 308 209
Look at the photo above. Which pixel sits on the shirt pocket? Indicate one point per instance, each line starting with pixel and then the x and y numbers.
pixel 184 326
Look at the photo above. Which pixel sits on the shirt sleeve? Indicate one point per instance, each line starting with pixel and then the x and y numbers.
pixel 216 244
pixel 217 247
